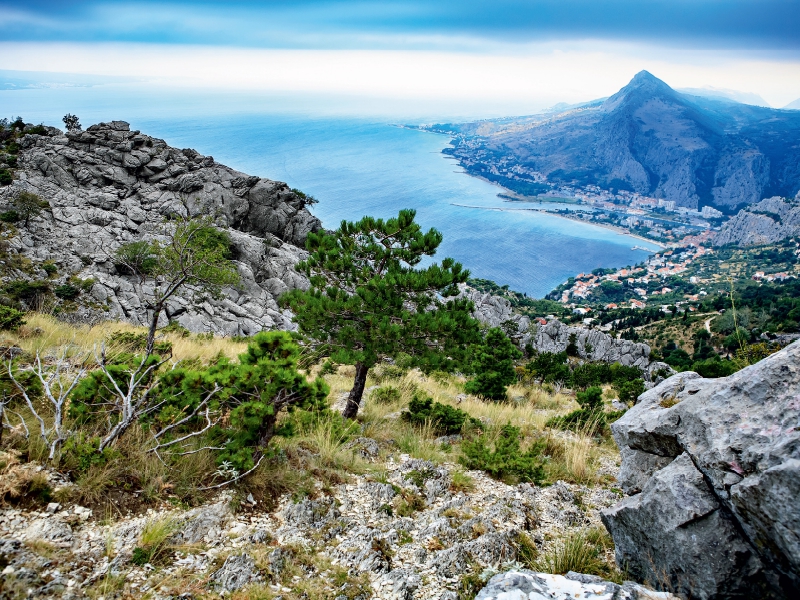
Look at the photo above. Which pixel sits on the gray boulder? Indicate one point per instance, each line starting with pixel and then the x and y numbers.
pixel 714 469
pixel 108 185
pixel 526 585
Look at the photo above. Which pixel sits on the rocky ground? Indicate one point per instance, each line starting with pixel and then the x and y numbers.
pixel 404 531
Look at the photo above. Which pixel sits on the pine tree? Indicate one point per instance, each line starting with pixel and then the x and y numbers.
pixel 494 366
pixel 368 300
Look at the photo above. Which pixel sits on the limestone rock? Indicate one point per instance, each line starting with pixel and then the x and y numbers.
pixel 555 336
pixel 713 465
pixel 108 185
pixel 236 572
pixel 527 585
pixel 50 529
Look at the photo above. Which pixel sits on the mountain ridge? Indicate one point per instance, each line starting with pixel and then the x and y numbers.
pixel 647 138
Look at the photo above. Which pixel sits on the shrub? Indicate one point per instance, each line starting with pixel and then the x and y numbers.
pixel 549 367
pixel 572 345
pixel 590 413
pixel 444 419
pixel 579 552
pixel 26 290
pixel 136 342
pixel 9 216
pixel 494 366
pixel 10 318
pixel 49 268
pixel 67 292
pixel 177 328
pixel 629 391
pixel 506 461
pixel 5 177
pixel 386 395
pixel 714 367
pixel 590 374
pixel 328 368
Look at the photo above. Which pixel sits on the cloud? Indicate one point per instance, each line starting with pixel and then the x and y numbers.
pixel 536 74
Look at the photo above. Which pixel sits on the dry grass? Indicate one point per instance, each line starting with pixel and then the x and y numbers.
pixel 573 456
pixel 47 335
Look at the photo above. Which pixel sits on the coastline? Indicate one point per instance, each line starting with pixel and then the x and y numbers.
pixel 613 228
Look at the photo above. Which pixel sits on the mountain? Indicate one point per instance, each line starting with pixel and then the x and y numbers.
pixel 793 105
pixel 646 138
pixel 109 185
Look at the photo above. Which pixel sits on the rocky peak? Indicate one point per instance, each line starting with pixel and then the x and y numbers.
pixel 109 185
pixel 642 88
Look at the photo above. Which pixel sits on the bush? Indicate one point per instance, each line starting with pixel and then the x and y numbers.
pixel 328 368
pixel 714 367
pixel 590 415
pixel 386 395
pixel 506 462
pixel 549 367
pixel 5 177
pixel 49 268
pixel 137 342
pixel 629 391
pixel 26 290
pixel 9 216
pixel 67 292
pixel 494 366
pixel 572 345
pixel 444 419
pixel 10 318
pixel 589 374
pixel 176 328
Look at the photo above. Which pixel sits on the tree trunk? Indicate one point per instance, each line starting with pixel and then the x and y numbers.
pixel 151 333
pixel 354 399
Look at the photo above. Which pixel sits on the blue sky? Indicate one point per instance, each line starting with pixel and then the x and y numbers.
pixel 731 24
pixel 543 50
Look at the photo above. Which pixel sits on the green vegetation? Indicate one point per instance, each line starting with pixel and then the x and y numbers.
pixel 506 461
pixel 195 254
pixel 443 419
pixel 591 415
pixel 11 319
pixel 493 365
pixel 368 300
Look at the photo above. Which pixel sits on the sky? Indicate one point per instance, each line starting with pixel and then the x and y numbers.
pixel 502 54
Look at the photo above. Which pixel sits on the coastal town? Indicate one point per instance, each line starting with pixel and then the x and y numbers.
pixel 679 277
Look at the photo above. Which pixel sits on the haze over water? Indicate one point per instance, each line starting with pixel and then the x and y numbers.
pixel 358 167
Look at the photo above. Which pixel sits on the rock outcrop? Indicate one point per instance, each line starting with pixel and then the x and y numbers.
pixel 109 185
pixel 527 585
pixel 713 466
pixel 767 222
pixel 555 336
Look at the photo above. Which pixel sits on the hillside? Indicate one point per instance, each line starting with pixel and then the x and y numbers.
pixel 767 222
pixel 648 139
pixel 109 185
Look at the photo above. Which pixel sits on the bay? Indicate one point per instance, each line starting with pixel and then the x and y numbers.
pixel 361 166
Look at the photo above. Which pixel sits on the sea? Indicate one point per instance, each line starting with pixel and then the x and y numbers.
pixel 356 165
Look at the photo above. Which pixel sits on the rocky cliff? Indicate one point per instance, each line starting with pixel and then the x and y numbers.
pixel 713 469
pixel 109 185
pixel 769 221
